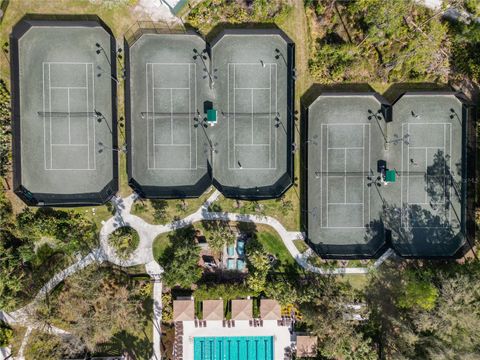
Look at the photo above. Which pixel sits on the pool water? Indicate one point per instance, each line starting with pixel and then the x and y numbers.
pixel 231 250
pixel 240 264
pixel 230 264
pixel 233 348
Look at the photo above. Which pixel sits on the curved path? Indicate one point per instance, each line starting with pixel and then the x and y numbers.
pixel 143 255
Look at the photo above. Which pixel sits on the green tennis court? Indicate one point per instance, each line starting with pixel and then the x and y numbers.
pixel 386 176
pixel 64 116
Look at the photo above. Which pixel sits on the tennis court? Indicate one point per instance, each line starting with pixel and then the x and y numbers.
pixel 253 137
pixel 64 118
pixel 430 173
pixel 351 148
pixel 343 147
pixel 68 116
pixel 167 87
pixel 170 110
pixel 252 111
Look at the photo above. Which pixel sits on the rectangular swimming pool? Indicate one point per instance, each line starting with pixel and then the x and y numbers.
pixel 233 348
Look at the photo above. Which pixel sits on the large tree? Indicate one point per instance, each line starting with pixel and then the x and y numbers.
pixel 426 310
pixel 325 311
pixel 180 259
pixel 98 303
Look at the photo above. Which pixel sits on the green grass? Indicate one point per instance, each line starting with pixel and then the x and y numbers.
pixel 273 244
pixel 289 215
pixel 357 281
pixel 171 209
pixel 301 245
pixel 160 243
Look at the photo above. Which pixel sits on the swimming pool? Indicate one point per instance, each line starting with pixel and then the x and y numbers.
pixel 233 348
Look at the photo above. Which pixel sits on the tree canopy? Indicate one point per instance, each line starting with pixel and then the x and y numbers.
pixel 180 259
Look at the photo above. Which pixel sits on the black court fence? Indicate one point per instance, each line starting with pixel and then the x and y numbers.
pixel 152 27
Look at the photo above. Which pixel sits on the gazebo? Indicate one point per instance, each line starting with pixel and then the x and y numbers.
pixel 242 309
pixel 270 309
pixel 213 310
pixel 183 310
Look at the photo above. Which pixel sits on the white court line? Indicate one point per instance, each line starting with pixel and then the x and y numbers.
pixel 270 115
pixel 153 117
pixel 44 125
pixel 251 126
pixel 344 177
pixel 346 148
pixel 148 117
pixel 321 177
pixel 50 109
pixel 327 188
pixel 345 203
pixel 363 177
pixel 444 148
pixel 172 143
pixel 235 144
pixel 70 145
pixel 88 119
pixel 167 88
pixel 69 120
pixel 248 145
pixel 249 88
pixel 72 87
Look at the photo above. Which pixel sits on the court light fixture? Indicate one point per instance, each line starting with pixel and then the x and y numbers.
pixel 313 140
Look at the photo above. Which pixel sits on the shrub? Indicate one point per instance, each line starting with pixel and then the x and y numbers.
pixel 6 335
pixel 124 240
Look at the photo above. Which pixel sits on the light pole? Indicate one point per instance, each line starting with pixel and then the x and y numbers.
pixel 205 68
pixel 105 72
pixel 102 147
pixel 313 140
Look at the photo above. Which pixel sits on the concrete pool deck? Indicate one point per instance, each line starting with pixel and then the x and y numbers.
pixel 281 334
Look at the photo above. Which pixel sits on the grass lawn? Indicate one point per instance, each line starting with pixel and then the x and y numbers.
pixel 18 335
pixel 160 243
pixel 119 18
pixel 274 245
pixel 266 235
pixel 301 245
pixel 285 210
pixel 357 281
pixel 102 213
pixel 164 211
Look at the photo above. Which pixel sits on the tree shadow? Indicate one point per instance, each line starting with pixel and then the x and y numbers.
pixel 123 343
pixel 159 209
pixel 417 232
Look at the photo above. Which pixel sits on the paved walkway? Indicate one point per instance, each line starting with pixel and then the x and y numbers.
pixel 143 255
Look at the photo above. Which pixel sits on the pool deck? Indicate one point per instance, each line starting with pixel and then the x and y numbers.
pixel 281 335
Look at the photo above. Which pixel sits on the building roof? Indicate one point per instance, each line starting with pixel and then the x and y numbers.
pixel 183 310
pixel 307 346
pixel 242 309
pixel 270 309
pixel 213 310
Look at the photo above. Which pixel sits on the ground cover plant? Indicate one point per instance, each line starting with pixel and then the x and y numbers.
pixel 124 241
pixel 104 310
